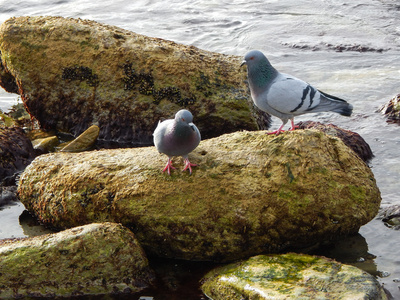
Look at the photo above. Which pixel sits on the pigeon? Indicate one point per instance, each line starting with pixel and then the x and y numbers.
pixel 177 137
pixel 285 96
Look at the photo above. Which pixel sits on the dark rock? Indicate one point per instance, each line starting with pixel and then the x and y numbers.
pixel 350 138
pixel 16 151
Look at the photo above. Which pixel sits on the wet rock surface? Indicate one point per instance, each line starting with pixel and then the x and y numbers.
pixel 251 193
pixel 290 276
pixel 73 73
pixel 94 259
pixel 392 109
pixel 390 216
pixel 350 138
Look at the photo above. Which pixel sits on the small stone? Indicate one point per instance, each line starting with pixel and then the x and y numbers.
pixel 83 142
pixel 47 144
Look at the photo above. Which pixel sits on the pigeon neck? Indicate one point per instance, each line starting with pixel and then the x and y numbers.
pixel 262 74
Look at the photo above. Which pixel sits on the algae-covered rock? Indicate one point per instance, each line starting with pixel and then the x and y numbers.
pixel 92 259
pixel 83 142
pixel 72 73
pixel 251 193
pixel 46 144
pixel 291 276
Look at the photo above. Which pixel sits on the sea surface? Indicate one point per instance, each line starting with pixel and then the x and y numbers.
pixel 350 49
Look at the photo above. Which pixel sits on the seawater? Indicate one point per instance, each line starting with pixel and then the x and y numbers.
pixel 349 49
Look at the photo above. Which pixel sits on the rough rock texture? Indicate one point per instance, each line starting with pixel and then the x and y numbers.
pixel 392 109
pixel 73 73
pixel 92 259
pixel 291 276
pixel 251 193
pixel 16 152
pixel 351 139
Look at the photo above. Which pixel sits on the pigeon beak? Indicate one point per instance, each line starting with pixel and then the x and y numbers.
pixel 243 63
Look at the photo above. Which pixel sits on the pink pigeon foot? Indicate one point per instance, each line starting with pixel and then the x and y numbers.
pixel 188 165
pixel 277 132
pixel 294 127
pixel 168 167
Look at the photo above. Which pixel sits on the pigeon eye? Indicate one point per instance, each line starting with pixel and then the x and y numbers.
pixel 183 119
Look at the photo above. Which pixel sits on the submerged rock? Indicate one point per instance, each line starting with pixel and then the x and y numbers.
pixel 392 109
pixel 390 216
pixel 89 260
pixel 290 276
pixel 72 73
pixel 251 193
pixel 350 138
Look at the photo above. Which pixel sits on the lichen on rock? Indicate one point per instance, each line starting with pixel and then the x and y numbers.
pixel 72 73
pixel 93 259
pixel 290 276
pixel 251 193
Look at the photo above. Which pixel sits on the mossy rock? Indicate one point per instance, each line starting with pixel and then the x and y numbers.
pixel 251 193
pixel 88 260
pixel 291 276
pixel 73 73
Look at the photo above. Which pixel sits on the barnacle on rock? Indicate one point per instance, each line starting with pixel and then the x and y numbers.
pixel 81 73
pixel 145 81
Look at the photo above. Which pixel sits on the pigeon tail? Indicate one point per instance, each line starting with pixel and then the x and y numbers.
pixel 344 110
pixel 333 103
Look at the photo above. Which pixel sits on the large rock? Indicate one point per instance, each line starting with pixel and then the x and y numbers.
pixel 73 73
pixel 291 276
pixel 251 193
pixel 89 260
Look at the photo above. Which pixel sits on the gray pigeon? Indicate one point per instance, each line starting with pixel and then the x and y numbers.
pixel 177 137
pixel 285 96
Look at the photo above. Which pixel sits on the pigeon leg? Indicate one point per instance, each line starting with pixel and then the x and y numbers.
pixel 277 132
pixel 188 165
pixel 168 167
pixel 293 126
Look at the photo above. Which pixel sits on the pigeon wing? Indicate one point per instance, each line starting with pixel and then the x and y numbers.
pixel 292 96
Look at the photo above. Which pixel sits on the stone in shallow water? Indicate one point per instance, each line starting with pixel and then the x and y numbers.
pixel 88 260
pixel 290 276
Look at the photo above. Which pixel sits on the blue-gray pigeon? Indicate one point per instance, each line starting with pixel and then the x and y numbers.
pixel 285 96
pixel 177 137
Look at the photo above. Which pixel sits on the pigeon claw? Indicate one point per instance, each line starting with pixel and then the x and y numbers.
pixel 168 167
pixel 188 165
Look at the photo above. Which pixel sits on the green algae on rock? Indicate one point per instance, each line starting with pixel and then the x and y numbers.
pixel 251 193
pixel 290 276
pixel 88 260
pixel 72 73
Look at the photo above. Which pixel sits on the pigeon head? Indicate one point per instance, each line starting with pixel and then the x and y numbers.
pixel 184 116
pixel 259 69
